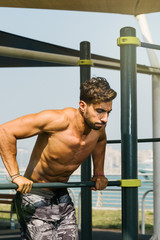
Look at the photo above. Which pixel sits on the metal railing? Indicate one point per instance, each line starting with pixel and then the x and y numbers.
pixel 143 210
pixel 98 199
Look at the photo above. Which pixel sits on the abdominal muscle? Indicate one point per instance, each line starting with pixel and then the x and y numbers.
pixel 57 155
pixel 52 172
pixel 49 164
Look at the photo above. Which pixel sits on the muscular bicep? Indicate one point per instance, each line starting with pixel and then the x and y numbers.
pixel 100 146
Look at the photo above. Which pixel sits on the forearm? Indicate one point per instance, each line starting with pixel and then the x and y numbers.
pixel 98 163
pixel 98 166
pixel 98 172
pixel 8 151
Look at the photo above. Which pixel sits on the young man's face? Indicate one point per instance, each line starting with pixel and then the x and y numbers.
pixel 96 115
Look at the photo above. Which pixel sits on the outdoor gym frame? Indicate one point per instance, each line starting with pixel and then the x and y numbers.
pixel 129 182
pixel 128 43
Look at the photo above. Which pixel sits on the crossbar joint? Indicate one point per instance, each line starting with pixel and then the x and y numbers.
pixel 128 40
pixel 130 183
pixel 87 62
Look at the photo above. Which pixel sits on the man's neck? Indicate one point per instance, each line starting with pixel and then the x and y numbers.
pixel 81 126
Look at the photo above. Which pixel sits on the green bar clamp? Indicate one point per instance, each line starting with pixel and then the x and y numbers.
pixel 128 40
pixel 130 182
pixel 85 62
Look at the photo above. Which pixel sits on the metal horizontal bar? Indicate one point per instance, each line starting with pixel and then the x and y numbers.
pixel 59 185
pixel 149 140
pixel 115 65
pixel 69 60
pixel 5 201
pixel 106 64
pixel 150 45
pixel 147 70
pixel 52 57
pixel 114 183
pixel 139 140
pixel 6 196
pixel 3 211
pixel 113 141
pixel 38 56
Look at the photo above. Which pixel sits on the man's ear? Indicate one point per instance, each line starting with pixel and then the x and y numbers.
pixel 82 106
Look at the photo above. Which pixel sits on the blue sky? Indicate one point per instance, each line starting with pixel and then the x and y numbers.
pixel 29 90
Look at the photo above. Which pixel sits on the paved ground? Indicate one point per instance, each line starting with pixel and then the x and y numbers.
pixel 7 234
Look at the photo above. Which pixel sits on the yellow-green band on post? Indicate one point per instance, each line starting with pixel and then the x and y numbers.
pixel 128 40
pixel 130 183
pixel 85 62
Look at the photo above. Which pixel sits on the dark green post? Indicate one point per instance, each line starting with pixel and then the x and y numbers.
pixel 86 195
pixel 129 135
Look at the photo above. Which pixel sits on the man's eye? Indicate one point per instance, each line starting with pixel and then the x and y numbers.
pixel 99 111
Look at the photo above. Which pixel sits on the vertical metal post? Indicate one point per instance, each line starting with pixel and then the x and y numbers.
pixel 129 135
pixel 156 120
pixel 86 195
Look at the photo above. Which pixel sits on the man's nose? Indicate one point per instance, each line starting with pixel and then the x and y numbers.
pixel 105 118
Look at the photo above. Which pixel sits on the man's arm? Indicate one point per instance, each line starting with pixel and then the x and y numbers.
pixel 24 127
pixel 98 156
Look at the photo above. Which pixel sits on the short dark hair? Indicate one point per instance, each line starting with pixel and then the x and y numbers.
pixel 96 90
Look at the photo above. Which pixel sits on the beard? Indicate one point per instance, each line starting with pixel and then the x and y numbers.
pixel 94 126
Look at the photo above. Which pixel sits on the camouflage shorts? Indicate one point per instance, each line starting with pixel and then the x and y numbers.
pixel 46 215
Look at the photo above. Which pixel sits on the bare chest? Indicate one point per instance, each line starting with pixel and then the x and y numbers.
pixel 67 147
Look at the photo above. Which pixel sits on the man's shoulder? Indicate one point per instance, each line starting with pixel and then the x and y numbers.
pixel 61 113
pixel 69 110
pixel 58 119
pixel 58 112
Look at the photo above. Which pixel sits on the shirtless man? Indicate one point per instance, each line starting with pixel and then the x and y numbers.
pixel 65 139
